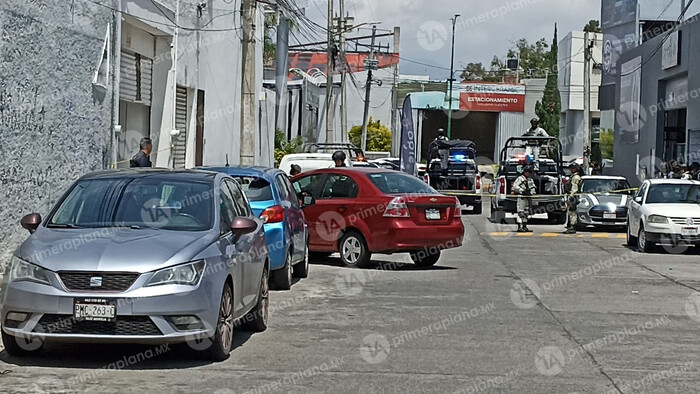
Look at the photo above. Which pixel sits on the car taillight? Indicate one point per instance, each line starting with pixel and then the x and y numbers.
pixel 502 185
pixel 274 214
pixel 458 210
pixel 397 208
pixel 426 178
pixel 477 183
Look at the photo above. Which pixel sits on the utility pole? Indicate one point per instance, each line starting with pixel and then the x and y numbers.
pixel 395 91
pixel 281 55
pixel 586 103
pixel 329 76
pixel 370 64
pixel 452 66
pixel 248 89
pixel 342 26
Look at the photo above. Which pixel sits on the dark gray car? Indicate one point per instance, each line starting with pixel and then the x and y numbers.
pixel 139 256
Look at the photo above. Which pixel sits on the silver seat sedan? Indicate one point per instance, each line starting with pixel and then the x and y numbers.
pixel 139 256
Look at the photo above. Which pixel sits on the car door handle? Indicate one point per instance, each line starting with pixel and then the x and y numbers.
pixel 342 209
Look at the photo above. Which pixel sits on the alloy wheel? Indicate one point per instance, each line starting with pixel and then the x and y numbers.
pixel 226 319
pixel 352 250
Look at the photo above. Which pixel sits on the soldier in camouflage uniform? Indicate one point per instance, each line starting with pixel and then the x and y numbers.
pixel 524 186
pixel 572 188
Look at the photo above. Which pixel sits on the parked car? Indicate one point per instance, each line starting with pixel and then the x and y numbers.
pixel 139 256
pixel 358 212
pixel 351 150
pixel 664 211
pixel 273 199
pixel 603 201
pixel 309 161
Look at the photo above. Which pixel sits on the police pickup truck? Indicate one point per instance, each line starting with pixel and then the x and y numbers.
pixel 543 154
pixel 452 170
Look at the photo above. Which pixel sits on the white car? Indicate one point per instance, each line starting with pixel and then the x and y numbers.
pixel 664 211
pixel 309 161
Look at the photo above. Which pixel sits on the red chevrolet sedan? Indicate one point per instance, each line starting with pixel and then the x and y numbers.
pixel 360 211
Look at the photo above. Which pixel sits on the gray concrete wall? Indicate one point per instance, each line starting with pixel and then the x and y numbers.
pixel 53 126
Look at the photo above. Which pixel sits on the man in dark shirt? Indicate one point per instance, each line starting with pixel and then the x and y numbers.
pixel 142 158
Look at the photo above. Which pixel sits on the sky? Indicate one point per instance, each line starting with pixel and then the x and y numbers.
pixel 484 29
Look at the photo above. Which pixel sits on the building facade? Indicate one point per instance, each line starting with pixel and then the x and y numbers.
pixel 657 103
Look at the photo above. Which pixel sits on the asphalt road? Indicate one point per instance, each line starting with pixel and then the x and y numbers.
pixel 504 313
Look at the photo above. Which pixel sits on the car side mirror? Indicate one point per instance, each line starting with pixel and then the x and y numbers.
pixel 31 222
pixel 638 200
pixel 308 201
pixel 242 226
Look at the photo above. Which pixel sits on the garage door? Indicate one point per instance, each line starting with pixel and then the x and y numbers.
pixel 180 141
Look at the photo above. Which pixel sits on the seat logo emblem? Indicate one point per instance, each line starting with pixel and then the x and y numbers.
pixel 96 281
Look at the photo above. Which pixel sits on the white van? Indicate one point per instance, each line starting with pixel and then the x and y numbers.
pixel 309 161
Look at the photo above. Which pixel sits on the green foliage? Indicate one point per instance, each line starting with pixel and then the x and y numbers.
pixel 593 26
pixel 270 48
pixel 532 56
pixel 606 143
pixel 477 72
pixel 549 110
pixel 378 136
pixel 284 147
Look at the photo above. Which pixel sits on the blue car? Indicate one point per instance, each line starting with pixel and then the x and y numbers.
pixel 272 198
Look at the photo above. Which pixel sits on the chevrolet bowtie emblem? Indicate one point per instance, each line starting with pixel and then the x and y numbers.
pixel 433 199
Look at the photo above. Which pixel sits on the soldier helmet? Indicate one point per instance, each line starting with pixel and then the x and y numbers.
pixel 339 155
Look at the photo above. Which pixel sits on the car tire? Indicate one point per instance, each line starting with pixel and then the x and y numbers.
pixel 281 279
pixel 631 240
pixel 301 269
pixel 256 320
pixel 643 244
pixel 222 341
pixel 14 347
pixel 478 209
pixel 429 260
pixel 353 250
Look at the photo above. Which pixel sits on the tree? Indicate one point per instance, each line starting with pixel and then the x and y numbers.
pixel 378 136
pixel 593 26
pixel 473 72
pixel 533 57
pixel 549 110
pixel 606 144
pixel 284 147
pixel 270 48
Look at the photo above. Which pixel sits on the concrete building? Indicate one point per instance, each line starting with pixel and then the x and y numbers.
pixel 81 83
pixel 657 116
pixel 571 76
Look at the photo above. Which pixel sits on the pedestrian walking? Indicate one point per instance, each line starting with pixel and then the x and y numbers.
pixel 572 188
pixel 143 157
pixel 524 188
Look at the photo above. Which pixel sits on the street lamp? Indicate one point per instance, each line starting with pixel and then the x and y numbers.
pixel 452 65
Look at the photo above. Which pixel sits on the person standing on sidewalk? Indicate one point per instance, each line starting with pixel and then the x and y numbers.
pixel 142 158
pixel 524 187
pixel 572 188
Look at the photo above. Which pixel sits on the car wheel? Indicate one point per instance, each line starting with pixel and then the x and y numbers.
pixel 222 341
pixel 256 320
pixel 353 250
pixel 478 209
pixel 643 244
pixel 425 259
pixel 631 240
pixel 281 279
pixel 301 269
pixel 21 347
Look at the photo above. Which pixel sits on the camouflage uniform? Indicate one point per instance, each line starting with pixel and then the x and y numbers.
pixel 572 202
pixel 523 186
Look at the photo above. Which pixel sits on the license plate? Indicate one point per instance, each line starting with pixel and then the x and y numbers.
pixel 609 215
pixel 432 214
pixel 689 231
pixel 95 309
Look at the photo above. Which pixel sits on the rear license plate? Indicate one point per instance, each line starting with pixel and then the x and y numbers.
pixel 95 309
pixel 609 215
pixel 689 231
pixel 432 214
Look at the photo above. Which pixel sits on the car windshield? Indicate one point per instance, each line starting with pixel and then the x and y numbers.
pixel 674 194
pixel 138 203
pixel 605 186
pixel 257 189
pixel 399 183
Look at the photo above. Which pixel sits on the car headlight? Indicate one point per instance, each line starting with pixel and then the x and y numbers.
pixel 657 219
pixel 21 270
pixel 184 274
pixel 585 202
